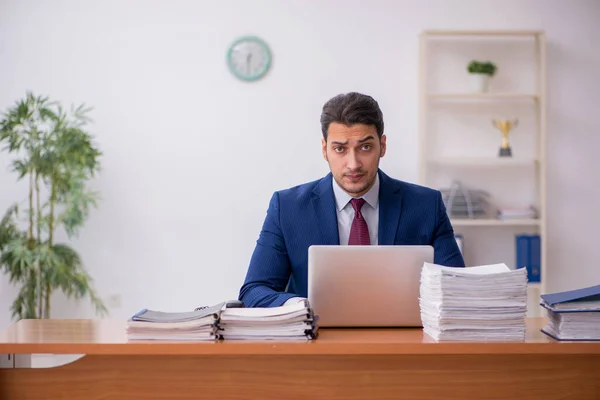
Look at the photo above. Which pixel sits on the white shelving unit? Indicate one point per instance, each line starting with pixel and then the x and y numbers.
pixel 481 96
pixel 458 141
pixel 494 222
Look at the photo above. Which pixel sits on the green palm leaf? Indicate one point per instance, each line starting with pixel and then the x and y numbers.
pixel 71 277
pixel 57 157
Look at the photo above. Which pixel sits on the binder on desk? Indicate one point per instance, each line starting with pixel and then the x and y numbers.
pixel 200 324
pixel 226 320
pixel 211 313
pixel 578 300
pixel 574 314
pixel 295 321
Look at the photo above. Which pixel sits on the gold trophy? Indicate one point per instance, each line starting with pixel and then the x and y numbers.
pixel 505 127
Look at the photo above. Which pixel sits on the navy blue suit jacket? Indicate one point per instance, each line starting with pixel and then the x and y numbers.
pixel 305 215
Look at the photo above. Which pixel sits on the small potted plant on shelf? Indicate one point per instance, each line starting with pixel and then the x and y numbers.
pixel 481 72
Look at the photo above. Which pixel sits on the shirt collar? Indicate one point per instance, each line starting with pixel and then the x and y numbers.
pixel 342 198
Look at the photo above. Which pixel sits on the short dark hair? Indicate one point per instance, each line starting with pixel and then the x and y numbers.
pixel 352 108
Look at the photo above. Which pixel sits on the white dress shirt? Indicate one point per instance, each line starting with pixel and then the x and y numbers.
pixel 345 211
pixel 345 215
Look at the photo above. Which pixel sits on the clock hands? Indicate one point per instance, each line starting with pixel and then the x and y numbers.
pixel 248 61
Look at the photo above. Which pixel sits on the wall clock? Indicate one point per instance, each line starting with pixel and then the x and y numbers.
pixel 249 58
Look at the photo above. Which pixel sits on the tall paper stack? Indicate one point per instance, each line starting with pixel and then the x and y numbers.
pixel 481 303
pixel 289 322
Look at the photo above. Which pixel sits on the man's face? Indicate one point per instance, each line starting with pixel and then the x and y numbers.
pixel 353 154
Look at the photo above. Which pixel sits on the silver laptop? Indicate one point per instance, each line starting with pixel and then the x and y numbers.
pixel 366 286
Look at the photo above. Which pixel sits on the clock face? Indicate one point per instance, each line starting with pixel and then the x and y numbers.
pixel 249 58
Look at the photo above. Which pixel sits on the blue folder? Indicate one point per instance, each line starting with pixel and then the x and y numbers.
pixel 570 301
pixel 529 255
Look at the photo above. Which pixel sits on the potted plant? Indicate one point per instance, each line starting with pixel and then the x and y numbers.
pixel 481 72
pixel 53 152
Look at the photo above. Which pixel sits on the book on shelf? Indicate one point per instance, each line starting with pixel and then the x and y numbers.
pixel 227 321
pixel 482 303
pixel 573 314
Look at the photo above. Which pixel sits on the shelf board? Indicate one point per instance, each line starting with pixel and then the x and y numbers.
pixel 482 33
pixel 484 161
pixel 482 96
pixel 494 222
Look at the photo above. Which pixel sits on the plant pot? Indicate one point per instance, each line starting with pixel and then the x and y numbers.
pixel 480 82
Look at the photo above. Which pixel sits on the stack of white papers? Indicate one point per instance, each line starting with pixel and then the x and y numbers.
pixel 198 325
pixel 482 303
pixel 574 325
pixel 516 213
pixel 288 322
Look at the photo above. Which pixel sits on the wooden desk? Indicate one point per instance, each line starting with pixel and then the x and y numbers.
pixel 341 364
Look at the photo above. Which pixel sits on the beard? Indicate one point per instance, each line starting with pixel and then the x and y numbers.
pixel 357 187
pixel 361 186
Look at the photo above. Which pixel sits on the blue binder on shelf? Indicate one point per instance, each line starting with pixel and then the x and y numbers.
pixel 528 251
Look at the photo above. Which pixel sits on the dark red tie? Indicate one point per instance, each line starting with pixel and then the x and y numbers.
pixel 359 232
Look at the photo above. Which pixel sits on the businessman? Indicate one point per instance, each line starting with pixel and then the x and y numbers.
pixel 355 204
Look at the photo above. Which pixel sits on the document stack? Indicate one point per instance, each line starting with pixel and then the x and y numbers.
pixel 507 214
pixel 197 325
pixel 289 322
pixel 574 314
pixel 484 303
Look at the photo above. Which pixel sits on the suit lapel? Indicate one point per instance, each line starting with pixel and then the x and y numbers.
pixel 324 206
pixel 390 202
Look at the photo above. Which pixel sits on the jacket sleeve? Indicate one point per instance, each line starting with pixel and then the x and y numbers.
pixel 269 270
pixel 445 247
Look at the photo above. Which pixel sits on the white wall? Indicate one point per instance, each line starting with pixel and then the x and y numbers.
pixel 192 156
